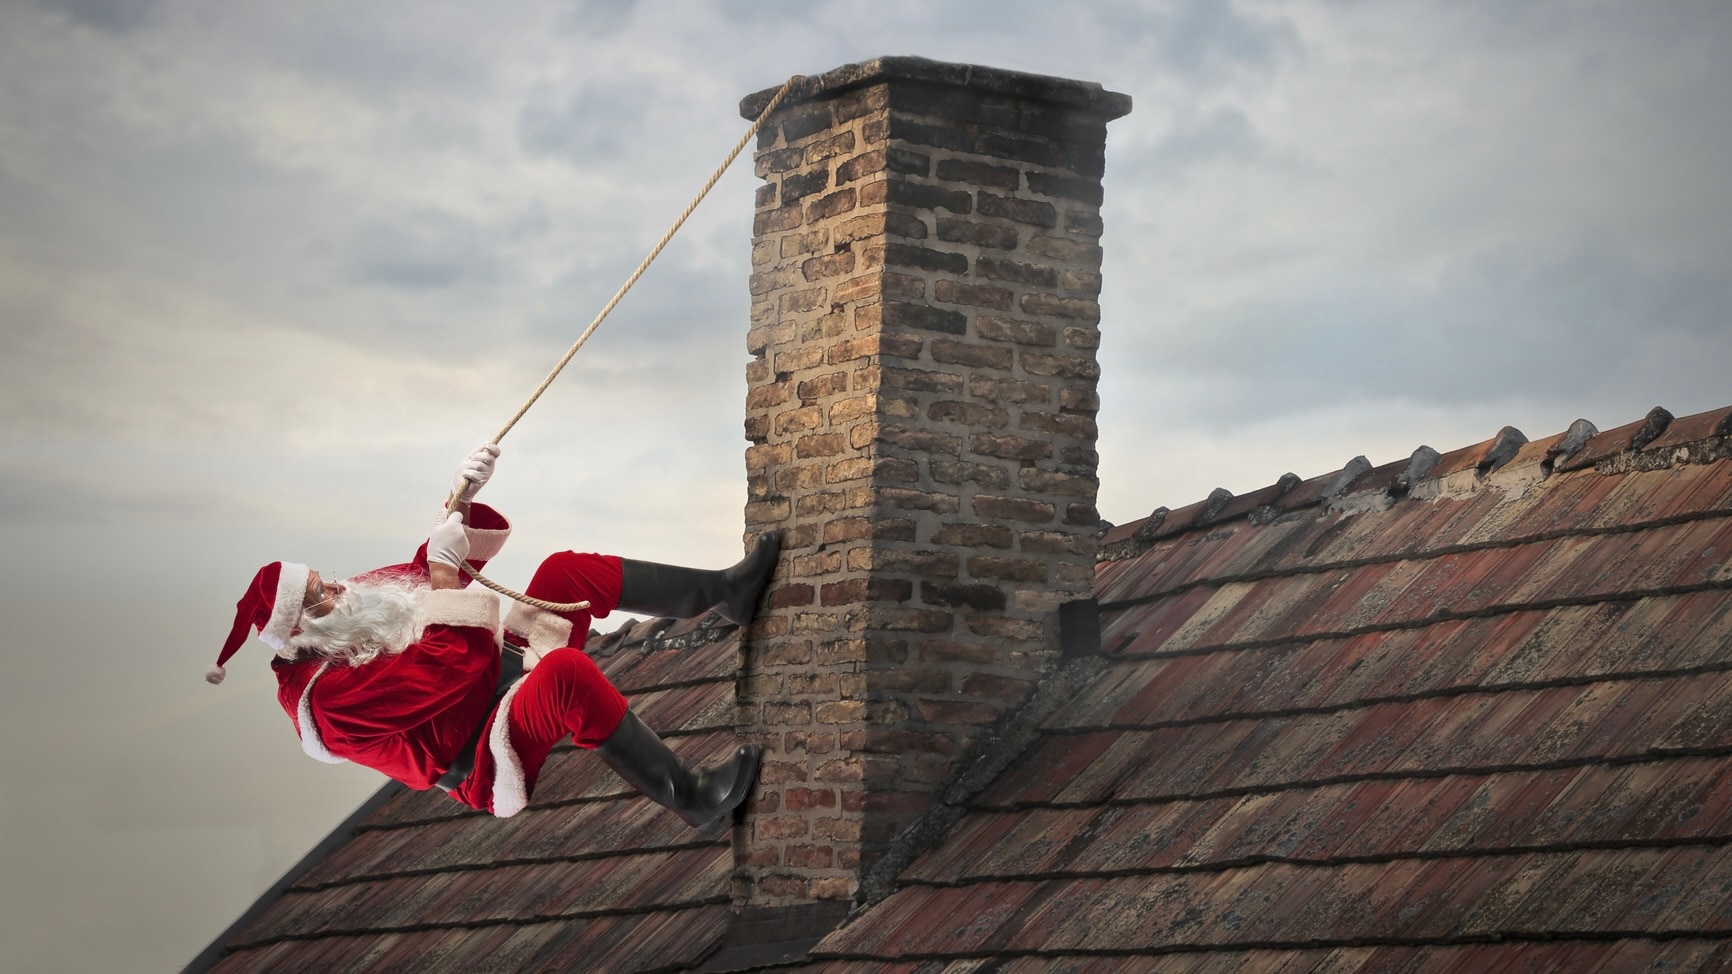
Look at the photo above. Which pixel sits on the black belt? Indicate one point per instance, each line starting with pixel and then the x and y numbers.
pixel 510 668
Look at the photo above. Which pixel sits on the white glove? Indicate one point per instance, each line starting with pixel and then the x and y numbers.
pixel 449 542
pixel 473 472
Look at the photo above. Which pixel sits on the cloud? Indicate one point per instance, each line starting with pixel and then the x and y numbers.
pixel 424 250
pixel 111 16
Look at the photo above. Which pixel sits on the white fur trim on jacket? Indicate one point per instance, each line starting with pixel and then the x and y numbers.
pixel 543 630
pixel 485 543
pixel 510 786
pixel 286 609
pixel 310 741
pixel 474 607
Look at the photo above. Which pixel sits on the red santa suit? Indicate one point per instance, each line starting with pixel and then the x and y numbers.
pixel 409 714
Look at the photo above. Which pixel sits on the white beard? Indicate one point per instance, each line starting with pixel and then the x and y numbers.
pixel 368 620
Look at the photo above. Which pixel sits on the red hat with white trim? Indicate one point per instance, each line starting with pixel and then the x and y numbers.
pixel 272 604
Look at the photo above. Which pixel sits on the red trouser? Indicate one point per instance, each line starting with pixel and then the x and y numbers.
pixel 566 693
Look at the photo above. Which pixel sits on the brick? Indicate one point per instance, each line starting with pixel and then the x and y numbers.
pixel 906 129
pixel 820 444
pixel 1009 447
pixel 763 282
pixel 864 528
pixel 802 243
pixel 929 197
pixel 1036 333
pixel 841 201
pixel 790 479
pixel 895 470
pixel 1081 282
pixel 771 829
pixel 952 651
pixel 969 354
pixel 903 679
pixel 1082 514
pixel 802 301
pixel 765 197
pixel 1021 150
pixel 1065 187
pixel 983 598
pixel 908 162
pixel 1085 222
pixel 917 440
pixel 924 258
pixel 994 236
pixel 802 121
pixel 875 98
pixel 833 888
pixel 912 620
pixel 1057 543
pixel 800 799
pixel 839 144
pixel 797 653
pixel 850 591
pixel 1016 271
pixel 1062 366
pixel 968 414
pixel 798 357
pixel 837 829
pixel 958 712
pixel 866 287
pixel 1069 424
pixel 1004 627
pixel 921 380
pixel 909 499
pixel 900 315
pixel 812 742
pixel 1007 569
pixel 1004 688
pixel 874 193
pixel 1083 309
pixel 767 456
pixel 842 651
pixel 1051 482
pixel 864 164
pixel 820 387
pixel 791 595
pixel 963 472
pixel 847 409
pixel 903 286
pixel 781 885
pixel 776 712
pixel 974 536
pixel 1032 212
pixel 1085 338
pixel 840 712
pixel 979 174
pixel 972 295
pixel 777 161
pixel 827 502
pixel 1074 400
pixel 798 186
pixel 829 265
pixel 1013 509
pixel 1008 390
pixel 941 564
pixel 1063 248
pixel 809 856
pixel 768 511
pixel 875 130
pixel 775 221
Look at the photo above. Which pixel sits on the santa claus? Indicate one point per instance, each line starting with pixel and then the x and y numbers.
pixel 401 670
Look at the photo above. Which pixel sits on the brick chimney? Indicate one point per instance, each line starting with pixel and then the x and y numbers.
pixel 921 400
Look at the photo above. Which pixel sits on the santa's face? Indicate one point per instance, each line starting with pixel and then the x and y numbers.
pixel 321 596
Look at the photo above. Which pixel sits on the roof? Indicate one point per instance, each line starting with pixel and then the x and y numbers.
pixel 589 877
pixel 1475 718
pixel 1467 711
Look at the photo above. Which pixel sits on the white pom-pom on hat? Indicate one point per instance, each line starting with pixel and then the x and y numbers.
pixel 215 674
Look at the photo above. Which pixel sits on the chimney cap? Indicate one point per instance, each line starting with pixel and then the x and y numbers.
pixel 1083 95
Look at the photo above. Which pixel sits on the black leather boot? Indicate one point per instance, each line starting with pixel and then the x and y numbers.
pixel 702 798
pixel 682 593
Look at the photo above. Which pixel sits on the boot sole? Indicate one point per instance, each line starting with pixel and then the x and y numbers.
pixel 751 756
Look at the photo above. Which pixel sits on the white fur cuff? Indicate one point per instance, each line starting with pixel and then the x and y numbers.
pixel 286 608
pixel 485 543
pixel 473 607
pixel 543 630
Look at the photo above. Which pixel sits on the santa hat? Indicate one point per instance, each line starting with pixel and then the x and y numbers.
pixel 273 604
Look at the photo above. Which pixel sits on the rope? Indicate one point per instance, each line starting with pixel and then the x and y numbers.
pixel 715 177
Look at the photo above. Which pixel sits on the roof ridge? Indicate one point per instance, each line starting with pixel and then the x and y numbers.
pixel 1656 441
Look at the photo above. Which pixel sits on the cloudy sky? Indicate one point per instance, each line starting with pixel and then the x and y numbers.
pixel 267 271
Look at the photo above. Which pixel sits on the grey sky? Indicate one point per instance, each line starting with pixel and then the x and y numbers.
pixel 267 271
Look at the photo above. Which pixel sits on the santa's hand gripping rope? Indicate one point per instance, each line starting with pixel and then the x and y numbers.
pixel 400 669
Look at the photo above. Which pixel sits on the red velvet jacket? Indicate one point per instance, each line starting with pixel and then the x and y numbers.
pixel 407 714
